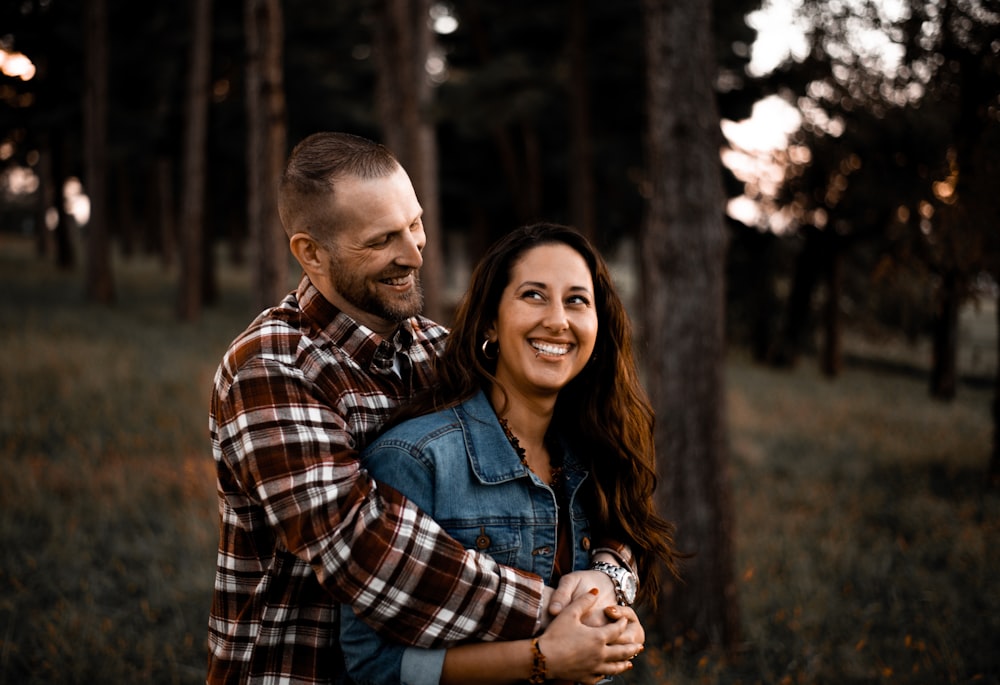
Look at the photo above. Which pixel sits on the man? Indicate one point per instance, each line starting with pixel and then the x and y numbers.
pixel 296 397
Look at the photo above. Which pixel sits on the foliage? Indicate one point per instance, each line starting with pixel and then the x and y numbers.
pixel 866 544
pixel 900 135
pixel 505 98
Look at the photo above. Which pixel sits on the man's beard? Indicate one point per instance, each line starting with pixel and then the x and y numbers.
pixel 360 293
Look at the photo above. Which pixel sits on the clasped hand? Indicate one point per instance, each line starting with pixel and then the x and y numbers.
pixel 589 636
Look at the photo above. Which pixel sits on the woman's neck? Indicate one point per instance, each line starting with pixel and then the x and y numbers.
pixel 526 424
pixel 528 419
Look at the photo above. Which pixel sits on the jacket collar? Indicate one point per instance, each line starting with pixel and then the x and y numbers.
pixel 491 455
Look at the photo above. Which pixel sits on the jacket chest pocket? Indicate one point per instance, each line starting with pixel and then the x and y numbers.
pixel 500 542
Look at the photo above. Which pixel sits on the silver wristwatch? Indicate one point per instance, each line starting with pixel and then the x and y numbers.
pixel 625 583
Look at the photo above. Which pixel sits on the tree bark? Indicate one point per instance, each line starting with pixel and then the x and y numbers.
pixel 46 197
pixel 124 212
pixel 797 327
pixel 404 95
pixel 831 358
pixel 266 149
pixel 944 361
pixel 166 221
pixel 582 210
pixel 994 468
pixel 683 269
pixel 65 222
pixel 99 283
pixel 195 138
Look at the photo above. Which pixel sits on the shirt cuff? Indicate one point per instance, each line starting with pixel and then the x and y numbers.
pixel 421 666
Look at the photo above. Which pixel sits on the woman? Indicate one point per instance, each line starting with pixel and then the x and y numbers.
pixel 536 433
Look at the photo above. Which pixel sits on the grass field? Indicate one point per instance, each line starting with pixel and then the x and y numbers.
pixel 868 546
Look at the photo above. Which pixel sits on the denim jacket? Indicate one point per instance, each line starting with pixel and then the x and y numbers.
pixel 458 466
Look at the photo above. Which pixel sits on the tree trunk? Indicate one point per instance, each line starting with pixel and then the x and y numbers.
pixel 944 360
pixel 65 222
pixel 46 197
pixel 98 281
pixel 195 138
pixel 994 470
pixel 582 210
pixel 831 358
pixel 798 311
pixel 124 209
pixel 520 163
pixel 404 95
pixel 683 269
pixel 163 173
pixel 266 149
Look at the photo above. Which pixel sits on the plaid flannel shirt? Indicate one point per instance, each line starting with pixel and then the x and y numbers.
pixel 302 526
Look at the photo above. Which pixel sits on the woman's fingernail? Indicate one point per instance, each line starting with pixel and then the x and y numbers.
pixel 594 591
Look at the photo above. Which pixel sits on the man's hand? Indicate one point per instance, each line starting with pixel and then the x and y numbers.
pixel 634 633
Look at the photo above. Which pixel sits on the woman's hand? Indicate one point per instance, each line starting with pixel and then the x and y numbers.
pixel 583 653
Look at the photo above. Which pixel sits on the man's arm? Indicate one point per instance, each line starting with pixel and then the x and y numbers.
pixel 293 456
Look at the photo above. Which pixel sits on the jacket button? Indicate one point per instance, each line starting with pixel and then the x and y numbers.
pixel 483 540
pixel 585 543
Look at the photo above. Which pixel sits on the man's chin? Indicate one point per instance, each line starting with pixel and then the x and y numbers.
pixel 400 311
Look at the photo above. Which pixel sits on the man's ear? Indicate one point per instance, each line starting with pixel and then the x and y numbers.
pixel 306 250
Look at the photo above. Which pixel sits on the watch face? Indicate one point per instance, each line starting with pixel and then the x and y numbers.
pixel 628 587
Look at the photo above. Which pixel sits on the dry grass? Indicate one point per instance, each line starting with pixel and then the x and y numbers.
pixel 867 546
pixel 107 521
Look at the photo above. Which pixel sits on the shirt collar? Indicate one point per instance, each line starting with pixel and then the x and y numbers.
pixel 366 347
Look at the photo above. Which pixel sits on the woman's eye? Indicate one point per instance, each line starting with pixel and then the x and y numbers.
pixel 578 300
pixel 531 295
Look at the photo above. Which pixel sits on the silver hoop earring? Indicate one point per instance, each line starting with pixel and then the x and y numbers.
pixel 486 353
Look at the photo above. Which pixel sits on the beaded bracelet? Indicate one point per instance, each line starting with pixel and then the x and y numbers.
pixel 537 675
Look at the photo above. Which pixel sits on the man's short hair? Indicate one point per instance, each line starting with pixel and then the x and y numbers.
pixel 309 180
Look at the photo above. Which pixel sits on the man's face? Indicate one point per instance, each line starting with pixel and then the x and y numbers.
pixel 375 255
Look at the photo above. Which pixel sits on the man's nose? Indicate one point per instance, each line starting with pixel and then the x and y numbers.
pixel 412 247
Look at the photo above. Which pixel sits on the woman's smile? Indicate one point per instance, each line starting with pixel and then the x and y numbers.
pixel 550 349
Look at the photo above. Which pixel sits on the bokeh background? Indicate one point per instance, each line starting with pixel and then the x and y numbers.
pixel 857 150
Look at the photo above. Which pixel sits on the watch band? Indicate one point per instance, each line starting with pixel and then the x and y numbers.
pixel 621 552
pixel 625 582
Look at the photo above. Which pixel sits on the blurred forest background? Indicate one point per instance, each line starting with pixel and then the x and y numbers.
pixel 801 203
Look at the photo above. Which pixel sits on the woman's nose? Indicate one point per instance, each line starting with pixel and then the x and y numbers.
pixel 555 317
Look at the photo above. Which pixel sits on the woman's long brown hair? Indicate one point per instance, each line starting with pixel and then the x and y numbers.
pixel 603 412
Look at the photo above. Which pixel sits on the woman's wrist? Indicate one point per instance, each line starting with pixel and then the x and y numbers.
pixel 539 669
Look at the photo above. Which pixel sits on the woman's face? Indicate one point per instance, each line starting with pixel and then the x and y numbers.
pixel 546 322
